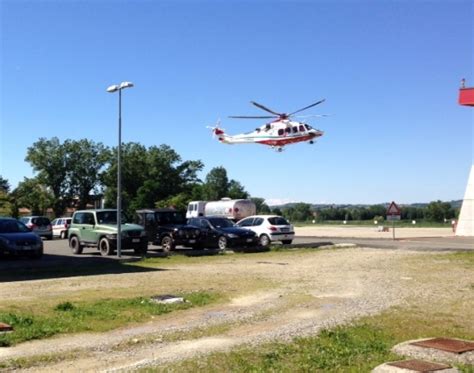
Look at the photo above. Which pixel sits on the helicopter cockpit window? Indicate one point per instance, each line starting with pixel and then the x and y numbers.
pixel 308 127
pixel 280 132
pixel 295 129
pixel 302 129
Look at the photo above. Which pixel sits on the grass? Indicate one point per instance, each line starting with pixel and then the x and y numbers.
pixel 350 348
pixel 94 316
pixel 359 347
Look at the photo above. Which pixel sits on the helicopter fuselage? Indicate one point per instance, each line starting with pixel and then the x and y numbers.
pixel 277 133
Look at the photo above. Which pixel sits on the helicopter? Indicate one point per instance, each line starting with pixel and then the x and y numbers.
pixel 278 133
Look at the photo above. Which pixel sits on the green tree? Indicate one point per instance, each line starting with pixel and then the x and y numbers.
pixel 5 202
pixel 86 162
pixel 216 185
pixel 70 170
pixel 49 159
pixel 149 176
pixel 262 207
pixel 235 190
pixel 438 211
pixel 4 185
pixel 33 194
pixel 178 202
pixel 277 211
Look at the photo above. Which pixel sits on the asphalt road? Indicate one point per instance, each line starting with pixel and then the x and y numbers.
pixel 57 252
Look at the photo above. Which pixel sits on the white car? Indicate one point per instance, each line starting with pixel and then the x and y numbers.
pixel 60 227
pixel 269 228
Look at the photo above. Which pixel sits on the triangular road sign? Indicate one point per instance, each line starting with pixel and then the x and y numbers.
pixel 393 209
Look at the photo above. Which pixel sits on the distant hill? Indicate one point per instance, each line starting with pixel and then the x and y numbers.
pixel 315 206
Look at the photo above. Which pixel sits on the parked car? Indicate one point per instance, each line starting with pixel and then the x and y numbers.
pixel 217 231
pixel 60 227
pixel 167 228
pixel 98 228
pixel 17 239
pixel 269 228
pixel 41 225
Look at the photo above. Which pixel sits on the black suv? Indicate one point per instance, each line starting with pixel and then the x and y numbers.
pixel 168 229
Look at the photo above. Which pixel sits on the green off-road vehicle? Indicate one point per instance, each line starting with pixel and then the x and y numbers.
pixel 98 228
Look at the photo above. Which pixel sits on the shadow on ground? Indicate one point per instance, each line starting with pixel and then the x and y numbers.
pixel 57 266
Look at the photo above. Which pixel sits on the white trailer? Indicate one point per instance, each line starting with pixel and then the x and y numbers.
pixel 234 209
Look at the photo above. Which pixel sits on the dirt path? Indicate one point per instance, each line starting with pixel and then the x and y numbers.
pixel 372 231
pixel 300 293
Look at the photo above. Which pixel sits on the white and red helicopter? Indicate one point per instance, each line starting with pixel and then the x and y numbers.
pixel 278 133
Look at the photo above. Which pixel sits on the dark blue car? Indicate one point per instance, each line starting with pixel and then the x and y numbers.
pixel 17 239
pixel 220 232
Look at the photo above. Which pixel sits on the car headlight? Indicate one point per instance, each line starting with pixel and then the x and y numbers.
pixel 143 234
pixel 231 235
pixel 111 236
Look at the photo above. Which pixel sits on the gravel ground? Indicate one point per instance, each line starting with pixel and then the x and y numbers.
pixel 308 292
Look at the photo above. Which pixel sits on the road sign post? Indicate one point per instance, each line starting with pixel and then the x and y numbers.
pixel 393 213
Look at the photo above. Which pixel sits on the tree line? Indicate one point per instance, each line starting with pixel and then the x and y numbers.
pixel 436 211
pixel 75 173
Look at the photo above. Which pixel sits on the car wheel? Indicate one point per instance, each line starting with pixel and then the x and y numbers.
pixel 62 235
pixel 222 243
pixel 167 244
pixel 104 247
pixel 264 240
pixel 286 242
pixel 75 245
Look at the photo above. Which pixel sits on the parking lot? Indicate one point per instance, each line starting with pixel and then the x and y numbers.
pixel 57 251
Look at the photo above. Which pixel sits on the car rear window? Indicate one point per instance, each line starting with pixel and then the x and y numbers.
pixel 41 221
pixel 278 221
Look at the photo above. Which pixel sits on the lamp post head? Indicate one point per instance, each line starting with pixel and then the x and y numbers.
pixel 113 88
pixel 116 87
pixel 126 85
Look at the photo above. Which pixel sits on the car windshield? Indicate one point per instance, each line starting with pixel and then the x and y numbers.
pixel 109 217
pixel 171 217
pixel 12 226
pixel 221 222
pixel 278 221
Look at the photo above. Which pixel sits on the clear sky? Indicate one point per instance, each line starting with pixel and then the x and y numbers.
pixel 389 70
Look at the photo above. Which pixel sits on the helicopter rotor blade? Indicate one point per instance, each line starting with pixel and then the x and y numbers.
pixel 307 107
pixel 312 116
pixel 251 117
pixel 265 108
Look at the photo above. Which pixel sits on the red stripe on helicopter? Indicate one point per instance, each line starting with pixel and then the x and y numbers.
pixel 287 140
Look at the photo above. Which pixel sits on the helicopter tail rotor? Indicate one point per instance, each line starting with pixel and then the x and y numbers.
pixel 217 131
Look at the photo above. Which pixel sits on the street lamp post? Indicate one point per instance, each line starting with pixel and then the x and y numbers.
pixel 112 89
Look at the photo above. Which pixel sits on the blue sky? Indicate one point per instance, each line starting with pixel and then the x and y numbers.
pixel 389 70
